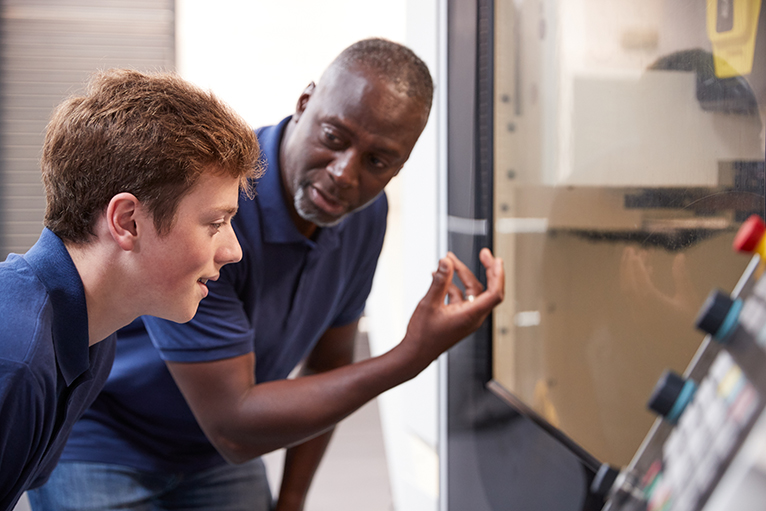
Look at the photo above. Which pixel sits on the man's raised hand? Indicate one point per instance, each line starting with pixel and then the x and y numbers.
pixel 436 326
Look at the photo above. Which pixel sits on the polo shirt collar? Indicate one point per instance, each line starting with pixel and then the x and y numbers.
pixel 54 267
pixel 269 195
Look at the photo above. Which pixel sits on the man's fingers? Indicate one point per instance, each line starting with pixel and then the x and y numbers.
pixel 442 279
pixel 472 285
pixel 495 274
pixel 486 258
pixel 455 295
pixel 495 277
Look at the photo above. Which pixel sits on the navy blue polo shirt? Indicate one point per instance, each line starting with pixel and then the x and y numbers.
pixel 277 302
pixel 48 374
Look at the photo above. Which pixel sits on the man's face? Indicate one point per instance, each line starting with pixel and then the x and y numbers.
pixel 201 240
pixel 351 135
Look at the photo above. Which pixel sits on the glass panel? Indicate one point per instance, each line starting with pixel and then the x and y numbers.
pixel 628 149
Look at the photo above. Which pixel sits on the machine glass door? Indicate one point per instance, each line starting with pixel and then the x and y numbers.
pixel 628 149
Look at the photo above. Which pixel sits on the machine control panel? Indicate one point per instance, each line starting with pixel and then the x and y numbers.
pixel 707 449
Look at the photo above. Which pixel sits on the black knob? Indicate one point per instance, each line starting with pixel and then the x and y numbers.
pixel 671 395
pixel 713 313
pixel 665 393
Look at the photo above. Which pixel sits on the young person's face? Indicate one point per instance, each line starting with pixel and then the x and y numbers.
pixel 200 242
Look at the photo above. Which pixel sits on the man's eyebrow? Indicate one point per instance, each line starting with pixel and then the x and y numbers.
pixel 387 151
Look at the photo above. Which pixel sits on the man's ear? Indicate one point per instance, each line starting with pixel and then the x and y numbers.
pixel 303 100
pixel 121 216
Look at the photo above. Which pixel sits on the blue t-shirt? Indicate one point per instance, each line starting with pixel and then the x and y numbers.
pixel 277 302
pixel 48 374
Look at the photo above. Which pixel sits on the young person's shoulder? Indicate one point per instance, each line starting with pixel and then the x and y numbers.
pixel 24 309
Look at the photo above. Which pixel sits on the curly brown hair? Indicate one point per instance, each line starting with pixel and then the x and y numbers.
pixel 151 135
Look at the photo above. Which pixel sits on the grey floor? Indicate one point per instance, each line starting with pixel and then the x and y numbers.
pixel 353 474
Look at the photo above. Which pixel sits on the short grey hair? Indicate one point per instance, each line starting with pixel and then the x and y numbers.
pixel 392 61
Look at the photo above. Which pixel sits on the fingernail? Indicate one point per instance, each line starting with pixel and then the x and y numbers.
pixel 442 266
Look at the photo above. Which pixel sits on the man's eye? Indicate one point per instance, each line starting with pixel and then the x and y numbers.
pixel 217 226
pixel 377 163
pixel 331 137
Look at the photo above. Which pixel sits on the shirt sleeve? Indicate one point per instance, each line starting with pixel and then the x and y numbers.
pixel 220 329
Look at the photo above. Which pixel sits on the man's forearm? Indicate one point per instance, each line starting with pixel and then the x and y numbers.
pixel 244 420
pixel 282 413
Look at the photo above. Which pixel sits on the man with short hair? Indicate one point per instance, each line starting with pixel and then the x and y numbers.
pixel 142 176
pixel 311 239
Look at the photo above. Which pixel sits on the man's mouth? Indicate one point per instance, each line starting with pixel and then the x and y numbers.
pixel 326 202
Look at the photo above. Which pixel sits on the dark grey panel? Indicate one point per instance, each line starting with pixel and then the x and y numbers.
pixel 497 458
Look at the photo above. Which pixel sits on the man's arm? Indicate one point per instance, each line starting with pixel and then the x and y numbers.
pixel 244 420
pixel 335 349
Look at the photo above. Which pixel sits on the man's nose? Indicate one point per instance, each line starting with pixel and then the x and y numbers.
pixel 344 170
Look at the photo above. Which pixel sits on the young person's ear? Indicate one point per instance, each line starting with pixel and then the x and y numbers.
pixel 121 216
pixel 303 100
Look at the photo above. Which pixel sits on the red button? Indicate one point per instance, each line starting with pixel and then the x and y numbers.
pixel 749 234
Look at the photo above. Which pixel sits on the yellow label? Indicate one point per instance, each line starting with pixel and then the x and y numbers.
pixel 732 26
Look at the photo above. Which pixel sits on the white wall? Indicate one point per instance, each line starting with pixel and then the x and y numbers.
pixel 410 412
pixel 258 56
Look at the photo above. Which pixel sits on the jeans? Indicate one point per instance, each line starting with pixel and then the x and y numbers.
pixel 84 486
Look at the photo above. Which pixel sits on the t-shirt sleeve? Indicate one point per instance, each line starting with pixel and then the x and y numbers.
pixel 220 329
pixel 361 280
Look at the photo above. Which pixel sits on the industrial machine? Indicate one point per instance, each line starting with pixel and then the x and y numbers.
pixel 614 148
